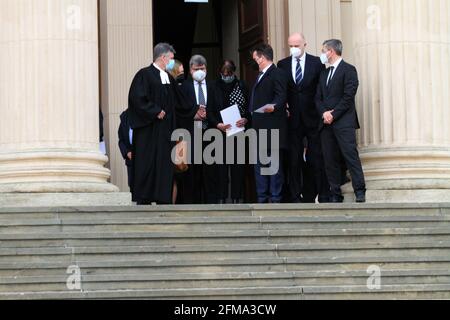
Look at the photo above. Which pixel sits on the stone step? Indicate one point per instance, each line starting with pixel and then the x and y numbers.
pixel 307 236
pixel 223 280
pixel 414 291
pixel 8 226
pixel 219 252
pixel 286 210
pixel 186 265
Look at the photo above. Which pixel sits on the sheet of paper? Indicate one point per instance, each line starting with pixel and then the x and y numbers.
pixel 231 116
pixel 261 110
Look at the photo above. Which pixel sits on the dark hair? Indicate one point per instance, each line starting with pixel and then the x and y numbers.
pixel 336 45
pixel 264 50
pixel 162 49
pixel 228 64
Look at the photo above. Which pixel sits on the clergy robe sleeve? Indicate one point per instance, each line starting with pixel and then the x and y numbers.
pixel 142 111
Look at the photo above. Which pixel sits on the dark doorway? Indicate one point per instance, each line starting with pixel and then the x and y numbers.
pixel 218 29
pixel 193 28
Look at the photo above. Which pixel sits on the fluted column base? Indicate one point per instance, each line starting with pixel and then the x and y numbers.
pixel 405 174
pixel 50 171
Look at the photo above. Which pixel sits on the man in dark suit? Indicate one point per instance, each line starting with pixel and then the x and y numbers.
pixel 335 102
pixel 269 93
pixel 125 145
pixel 198 183
pixel 303 72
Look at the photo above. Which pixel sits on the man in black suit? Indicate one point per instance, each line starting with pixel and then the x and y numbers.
pixel 269 91
pixel 198 183
pixel 125 145
pixel 303 72
pixel 335 101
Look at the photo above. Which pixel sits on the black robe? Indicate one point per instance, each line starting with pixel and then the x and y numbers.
pixel 153 169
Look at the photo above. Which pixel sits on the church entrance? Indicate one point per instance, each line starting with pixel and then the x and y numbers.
pixel 216 29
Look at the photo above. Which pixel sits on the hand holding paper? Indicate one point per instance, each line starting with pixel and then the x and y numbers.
pixel 268 108
pixel 230 117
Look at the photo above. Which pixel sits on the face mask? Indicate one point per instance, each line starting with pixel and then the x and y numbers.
pixel 296 52
pixel 199 75
pixel 180 78
pixel 324 58
pixel 170 65
pixel 228 79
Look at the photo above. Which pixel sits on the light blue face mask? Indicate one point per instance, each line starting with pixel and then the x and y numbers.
pixel 170 65
pixel 228 79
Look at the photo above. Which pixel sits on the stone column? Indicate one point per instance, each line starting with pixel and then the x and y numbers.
pixel 126 37
pixel 49 98
pixel 319 20
pixel 402 52
pixel 278 21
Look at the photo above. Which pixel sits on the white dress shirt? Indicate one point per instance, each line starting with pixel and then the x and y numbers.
pixel 205 90
pixel 335 65
pixel 294 66
pixel 264 72
pixel 164 75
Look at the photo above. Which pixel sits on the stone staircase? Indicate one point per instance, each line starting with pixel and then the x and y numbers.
pixel 226 252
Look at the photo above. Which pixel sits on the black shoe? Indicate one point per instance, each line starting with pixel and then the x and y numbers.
pixel 360 197
pixel 336 199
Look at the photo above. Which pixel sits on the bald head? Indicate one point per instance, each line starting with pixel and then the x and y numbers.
pixel 297 40
pixel 297 37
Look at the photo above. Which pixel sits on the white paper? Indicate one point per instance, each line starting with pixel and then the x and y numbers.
pixel 231 116
pixel 261 110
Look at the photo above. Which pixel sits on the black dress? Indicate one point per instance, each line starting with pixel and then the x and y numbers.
pixel 229 94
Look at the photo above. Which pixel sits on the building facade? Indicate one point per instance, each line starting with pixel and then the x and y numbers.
pixel 62 59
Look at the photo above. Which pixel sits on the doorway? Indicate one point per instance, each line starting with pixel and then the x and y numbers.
pixel 216 29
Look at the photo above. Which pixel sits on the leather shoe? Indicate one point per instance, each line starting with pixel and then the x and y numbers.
pixel 360 197
pixel 336 199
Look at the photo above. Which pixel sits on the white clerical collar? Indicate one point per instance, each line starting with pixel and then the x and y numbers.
pixel 164 75
pixel 337 63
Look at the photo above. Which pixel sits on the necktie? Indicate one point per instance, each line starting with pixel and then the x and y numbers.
pixel 253 92
pixel 202 101
pixel 298 72
pixel 330 76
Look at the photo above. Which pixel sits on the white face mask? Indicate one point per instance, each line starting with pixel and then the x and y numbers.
pixel 296 52
pixel 199 75
pixel 324 58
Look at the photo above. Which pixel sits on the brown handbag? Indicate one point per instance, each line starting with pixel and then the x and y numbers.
pixel 181 157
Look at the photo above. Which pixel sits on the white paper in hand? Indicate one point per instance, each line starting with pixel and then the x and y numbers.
pixel 261 110
pixel 231 116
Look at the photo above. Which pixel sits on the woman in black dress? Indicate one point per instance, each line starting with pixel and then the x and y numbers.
pixel 231 91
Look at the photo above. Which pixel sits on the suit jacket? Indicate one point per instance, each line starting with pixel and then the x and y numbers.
pixel 188 91
pixel 124 137
pixel 301 98
pixel 339 96
pixel 271 89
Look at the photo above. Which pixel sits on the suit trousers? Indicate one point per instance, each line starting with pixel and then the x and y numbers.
pixel 343 140
pixel 269 188
pixel 308 179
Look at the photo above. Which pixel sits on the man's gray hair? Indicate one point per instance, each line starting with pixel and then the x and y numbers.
pixel 162 49
pixel 336 45
pixel 198 60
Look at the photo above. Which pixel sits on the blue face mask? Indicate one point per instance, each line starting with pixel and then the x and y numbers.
pixel 170 65
pixel 228 79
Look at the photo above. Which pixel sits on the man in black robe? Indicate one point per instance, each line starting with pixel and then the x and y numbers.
pixel 155 102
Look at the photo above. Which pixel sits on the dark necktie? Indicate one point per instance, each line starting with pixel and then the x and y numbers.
pixel 253 91
pixel 298 72
pixel 202 102
pixel 330 76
